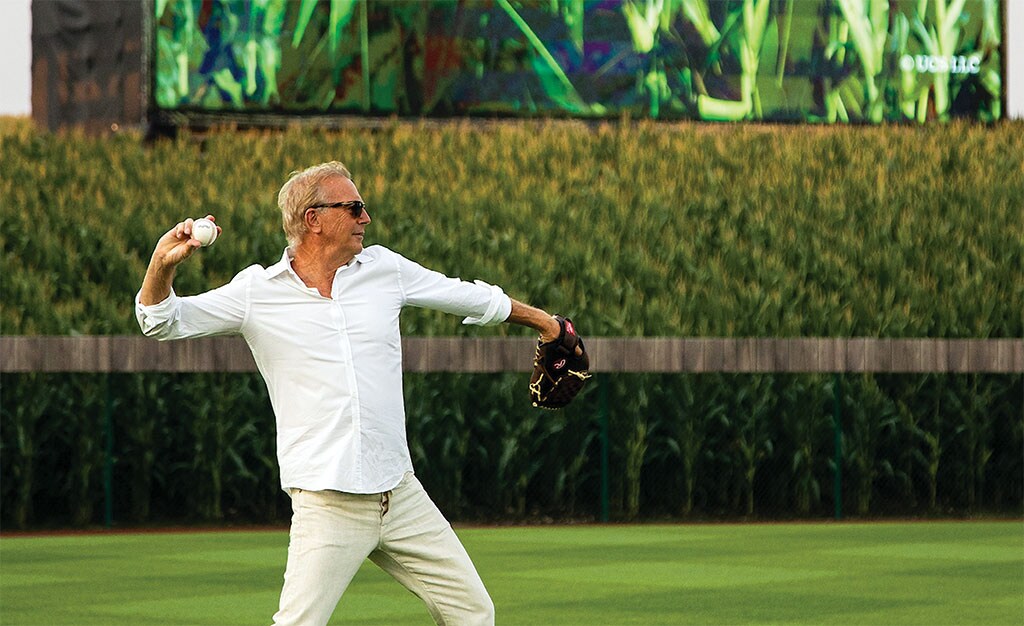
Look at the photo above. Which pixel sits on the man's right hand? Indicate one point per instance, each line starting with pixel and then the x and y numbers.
pixel 172 248
pixel 177 244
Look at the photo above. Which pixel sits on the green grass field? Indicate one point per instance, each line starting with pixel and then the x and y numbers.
pixel 807 573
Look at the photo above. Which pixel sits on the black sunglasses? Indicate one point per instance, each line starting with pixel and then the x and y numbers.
pixel 355 207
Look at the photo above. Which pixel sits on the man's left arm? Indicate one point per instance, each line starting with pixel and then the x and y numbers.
pixel 526 315
pixel 485 304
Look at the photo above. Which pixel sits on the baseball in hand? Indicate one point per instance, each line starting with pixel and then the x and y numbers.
pixel 205 231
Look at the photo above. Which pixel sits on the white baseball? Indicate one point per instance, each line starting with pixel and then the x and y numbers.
pixel 204 231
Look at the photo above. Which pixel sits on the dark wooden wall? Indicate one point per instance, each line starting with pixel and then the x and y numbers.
pixel 502 354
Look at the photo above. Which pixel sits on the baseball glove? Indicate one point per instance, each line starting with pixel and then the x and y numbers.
pixel 558 372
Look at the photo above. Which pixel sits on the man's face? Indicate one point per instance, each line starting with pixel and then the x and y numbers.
pixel 342 231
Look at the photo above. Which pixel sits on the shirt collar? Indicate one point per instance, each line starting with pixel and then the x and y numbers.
pixel 285 264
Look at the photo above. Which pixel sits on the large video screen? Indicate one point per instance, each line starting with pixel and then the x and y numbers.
pixel 860 61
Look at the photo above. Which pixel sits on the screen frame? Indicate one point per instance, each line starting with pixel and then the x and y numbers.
pixel 162 119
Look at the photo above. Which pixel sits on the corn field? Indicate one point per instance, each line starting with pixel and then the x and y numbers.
pixel 634 229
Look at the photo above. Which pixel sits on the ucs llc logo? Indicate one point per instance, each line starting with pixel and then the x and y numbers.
pixel 931 64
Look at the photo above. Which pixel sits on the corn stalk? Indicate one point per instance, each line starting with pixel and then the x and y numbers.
pixel 835 55
pixel 939 39
pixel 869 28
pixel 750 427
pixel 636 446
pixel 870 421
pixel 645 21
pixel 692 407
pixel 554 80
pixel 804 427
pixel 26 401
pixel 975 430
pixel 754 20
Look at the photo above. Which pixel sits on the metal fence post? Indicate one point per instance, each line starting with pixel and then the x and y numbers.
pixel 602 385
pixel 837 486
pixel 108 454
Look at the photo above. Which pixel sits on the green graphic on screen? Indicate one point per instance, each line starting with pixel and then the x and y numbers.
pixel 776 60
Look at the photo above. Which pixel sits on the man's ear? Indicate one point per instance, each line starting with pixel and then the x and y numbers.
pixel 312 219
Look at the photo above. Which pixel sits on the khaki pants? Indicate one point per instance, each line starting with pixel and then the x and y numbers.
pixel 401 531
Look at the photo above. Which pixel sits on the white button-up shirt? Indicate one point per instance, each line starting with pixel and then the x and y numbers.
pixel 333 366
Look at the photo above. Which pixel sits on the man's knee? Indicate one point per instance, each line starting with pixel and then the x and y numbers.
pixel 478 610
pixel 486 610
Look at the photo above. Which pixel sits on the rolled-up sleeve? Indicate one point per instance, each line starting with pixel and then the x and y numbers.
pixel 482 304
pixel 220 311
pixel 498 309
pixel 154 317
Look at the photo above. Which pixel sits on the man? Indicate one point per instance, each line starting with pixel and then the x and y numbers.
pixel 322 324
